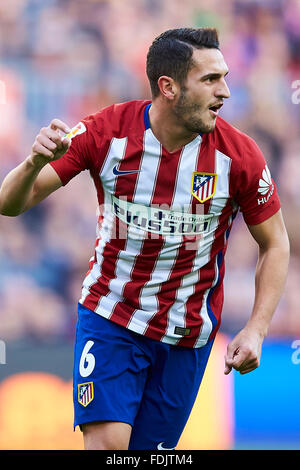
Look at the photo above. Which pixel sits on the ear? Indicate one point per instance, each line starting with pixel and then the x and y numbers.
pixel 168 87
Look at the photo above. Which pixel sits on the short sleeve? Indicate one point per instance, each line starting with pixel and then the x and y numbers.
pixel 76 159
pixel 257 194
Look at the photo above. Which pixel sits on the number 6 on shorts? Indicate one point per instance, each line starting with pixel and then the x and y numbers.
pixel 87 360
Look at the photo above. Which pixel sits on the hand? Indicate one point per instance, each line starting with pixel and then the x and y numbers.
pixel 243 352
pixel 49 145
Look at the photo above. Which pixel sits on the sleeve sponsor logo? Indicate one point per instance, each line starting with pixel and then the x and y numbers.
pixel 266 187
pixel 161 221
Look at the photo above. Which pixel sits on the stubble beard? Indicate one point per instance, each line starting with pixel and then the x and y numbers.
pixel 187 114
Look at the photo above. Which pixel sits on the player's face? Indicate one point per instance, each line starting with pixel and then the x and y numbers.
pixel 204 91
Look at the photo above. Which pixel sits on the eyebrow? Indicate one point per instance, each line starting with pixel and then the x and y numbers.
pixel 214 75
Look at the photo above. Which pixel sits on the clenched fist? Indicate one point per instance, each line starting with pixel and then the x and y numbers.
pixel 50 144
pixel 244 351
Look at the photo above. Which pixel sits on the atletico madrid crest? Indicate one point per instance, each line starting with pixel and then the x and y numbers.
pixel 203 185
pixel 85 393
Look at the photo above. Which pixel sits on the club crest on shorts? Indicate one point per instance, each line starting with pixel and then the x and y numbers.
pixel 85 393
pixel 203 185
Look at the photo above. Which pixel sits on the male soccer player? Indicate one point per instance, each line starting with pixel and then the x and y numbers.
pixel 170 176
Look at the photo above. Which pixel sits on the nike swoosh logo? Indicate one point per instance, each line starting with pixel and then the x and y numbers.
pixel 160 447
pixel 120 172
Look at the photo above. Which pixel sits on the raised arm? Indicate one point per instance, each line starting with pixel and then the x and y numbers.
pixel 33 180
pixel 243 353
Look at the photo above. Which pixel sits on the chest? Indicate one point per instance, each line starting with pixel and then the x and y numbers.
pixel 192 179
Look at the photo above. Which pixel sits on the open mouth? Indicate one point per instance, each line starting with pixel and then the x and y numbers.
pixel 215 108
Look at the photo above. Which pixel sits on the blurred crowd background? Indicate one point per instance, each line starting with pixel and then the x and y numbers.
pixel 69 58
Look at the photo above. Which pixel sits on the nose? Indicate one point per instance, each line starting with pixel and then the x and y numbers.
pixel 222 91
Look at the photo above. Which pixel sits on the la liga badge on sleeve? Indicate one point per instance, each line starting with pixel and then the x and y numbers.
pixel 76 130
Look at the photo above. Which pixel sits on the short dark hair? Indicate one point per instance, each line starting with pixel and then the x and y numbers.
pixel 171 53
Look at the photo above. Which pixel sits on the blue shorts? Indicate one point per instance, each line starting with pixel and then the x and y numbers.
pixel 123 376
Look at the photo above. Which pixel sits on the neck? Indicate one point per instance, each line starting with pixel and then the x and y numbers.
pixel 166 128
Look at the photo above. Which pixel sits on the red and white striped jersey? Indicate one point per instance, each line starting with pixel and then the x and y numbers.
pixel 164 220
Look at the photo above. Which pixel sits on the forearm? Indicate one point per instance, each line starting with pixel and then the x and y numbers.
pixel 17 187
pixel 244 351
pixel 270 278
pixel 27 185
